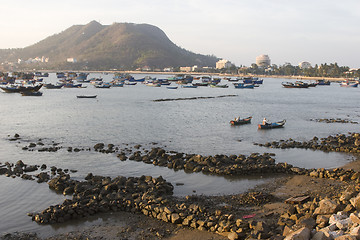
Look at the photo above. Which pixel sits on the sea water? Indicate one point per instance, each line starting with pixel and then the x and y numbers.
pixel 128 116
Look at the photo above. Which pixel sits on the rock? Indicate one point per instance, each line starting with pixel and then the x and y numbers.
pixel 307 222
pixel 30 168
pixel 321 236
pixel 355 201
pixel 326 206
pixel 233 236
pixel 20 163
pixel 346 237
pixel 301 234
pixel 355 218
pixel 99 146
pixel 355 231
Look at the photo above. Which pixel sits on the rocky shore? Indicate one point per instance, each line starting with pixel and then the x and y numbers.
pixel 301 204
pixel 349 143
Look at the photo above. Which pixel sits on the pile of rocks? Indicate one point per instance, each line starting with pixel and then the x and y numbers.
pixel 338 143
pixel 333 120
pixel 337 218
pixel 22 170
pixel 39 173
pixel 102 194
pixel 152 197
pixel 219 164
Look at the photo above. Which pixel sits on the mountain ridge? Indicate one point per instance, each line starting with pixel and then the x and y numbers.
pixel 119 45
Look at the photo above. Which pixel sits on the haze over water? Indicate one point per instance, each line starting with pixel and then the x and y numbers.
pixel 128 116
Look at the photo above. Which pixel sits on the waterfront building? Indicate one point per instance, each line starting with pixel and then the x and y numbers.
pixel 263 61
pixel 223 64
pixel 304 65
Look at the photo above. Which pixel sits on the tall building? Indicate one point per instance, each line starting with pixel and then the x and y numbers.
pixel 223 64
pixel 263 61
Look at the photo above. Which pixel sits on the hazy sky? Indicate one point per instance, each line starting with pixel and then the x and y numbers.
pixel 317 31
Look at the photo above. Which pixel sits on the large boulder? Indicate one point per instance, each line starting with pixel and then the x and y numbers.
pixel 327 206
pixel 301 234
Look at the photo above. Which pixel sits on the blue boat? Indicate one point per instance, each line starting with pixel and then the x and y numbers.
pixel 323 82
pixel 189 86
pixel 171 87
pixel 272 125
pixel 243 85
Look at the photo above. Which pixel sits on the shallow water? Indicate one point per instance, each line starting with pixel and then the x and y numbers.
pixel 128 116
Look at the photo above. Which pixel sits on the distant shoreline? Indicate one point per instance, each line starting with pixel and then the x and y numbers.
pixel 217 74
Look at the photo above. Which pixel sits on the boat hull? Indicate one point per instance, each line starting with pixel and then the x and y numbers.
pixel 241 121
pixel 272 125
pixel 21 89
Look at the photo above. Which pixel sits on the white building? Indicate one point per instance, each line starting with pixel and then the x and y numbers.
pixel 71 60
pixel 304 65
pixel 223 64
pixel 263 61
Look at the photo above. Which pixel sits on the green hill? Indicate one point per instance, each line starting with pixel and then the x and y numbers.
pixel 120 45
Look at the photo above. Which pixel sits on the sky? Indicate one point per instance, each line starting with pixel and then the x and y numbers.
pixel 289 31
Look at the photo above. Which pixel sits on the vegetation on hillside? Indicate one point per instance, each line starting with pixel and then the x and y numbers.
pixel 103 47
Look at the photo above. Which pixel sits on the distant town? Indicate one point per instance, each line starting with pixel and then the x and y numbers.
pixel 262 66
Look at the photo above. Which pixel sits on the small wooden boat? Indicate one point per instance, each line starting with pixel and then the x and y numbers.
pixel 241 121
pixel 297 84
pixel 53 86
pixel 17 88
pixel 171 87
pixel 86 96
pixel 201 84
pixel 130 83
pixel 272 125
pixel 103 85
pixel 349 84
pixel 189 86
pixel 151 84
pixel 323 82
pixel 219 85
pixel 29 93
pixel 243 85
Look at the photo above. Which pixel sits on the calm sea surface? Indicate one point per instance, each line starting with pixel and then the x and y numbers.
pixel 128 116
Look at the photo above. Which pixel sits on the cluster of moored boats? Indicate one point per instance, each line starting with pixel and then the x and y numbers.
pixel 301 84
pixel 264 125
pixel 30 86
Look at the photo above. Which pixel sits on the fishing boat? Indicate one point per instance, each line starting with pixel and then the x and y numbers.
pixel 118 84
pixel 243 85
pixel 72 85
pixel 53 86
pixel 349 84
pixel 297 84
pixel 130 83
pixel 103 85
pixel 201 84
pixel 240 121
pixel 30 93
pixel 86 96
pixel 272 125
pixel 323 82
pixel 20 88
pixel 219 85
pixel 152 84
pixel 189 86
pixel 171 87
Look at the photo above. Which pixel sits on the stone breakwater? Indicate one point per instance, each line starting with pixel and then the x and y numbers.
pixel 338 143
